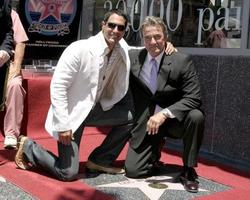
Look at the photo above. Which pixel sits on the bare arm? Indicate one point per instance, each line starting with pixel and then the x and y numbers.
pixel 15 68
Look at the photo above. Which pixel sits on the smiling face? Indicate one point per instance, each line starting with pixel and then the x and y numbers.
pixel 154 39
pixel 113 29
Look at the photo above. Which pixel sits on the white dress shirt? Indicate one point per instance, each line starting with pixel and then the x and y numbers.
pixel 108 70
pixel 76 79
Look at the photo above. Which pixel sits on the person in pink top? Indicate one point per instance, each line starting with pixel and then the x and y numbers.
pixel 15 93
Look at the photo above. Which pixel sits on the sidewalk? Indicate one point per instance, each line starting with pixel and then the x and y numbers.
pixel 215 182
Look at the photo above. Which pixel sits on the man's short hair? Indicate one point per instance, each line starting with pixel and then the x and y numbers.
pixel 118 12
pixel 154 21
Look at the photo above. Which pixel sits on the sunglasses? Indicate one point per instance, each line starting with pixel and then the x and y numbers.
pixel 119 27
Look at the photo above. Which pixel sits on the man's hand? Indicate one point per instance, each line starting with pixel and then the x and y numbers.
pixel 155 122
pixel 65 137
pixel 170 48
pixel 4 57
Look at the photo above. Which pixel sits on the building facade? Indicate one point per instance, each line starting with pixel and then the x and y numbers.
pixel 217 35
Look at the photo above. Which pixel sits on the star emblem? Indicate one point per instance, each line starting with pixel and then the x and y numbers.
pixel 51 9
pixel 144 185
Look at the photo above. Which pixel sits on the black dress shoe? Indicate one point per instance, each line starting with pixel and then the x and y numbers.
pixel 189 180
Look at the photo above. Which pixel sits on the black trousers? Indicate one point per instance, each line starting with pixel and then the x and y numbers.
pixel 3 82
pixel 139 162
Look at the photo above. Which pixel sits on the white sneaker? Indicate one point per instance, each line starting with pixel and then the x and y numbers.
pixel 10 142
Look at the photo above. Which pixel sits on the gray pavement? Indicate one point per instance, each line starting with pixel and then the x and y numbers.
pixel 164 186
pixel 9 191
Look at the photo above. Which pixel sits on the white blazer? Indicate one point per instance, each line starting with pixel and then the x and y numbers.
pixel 74 83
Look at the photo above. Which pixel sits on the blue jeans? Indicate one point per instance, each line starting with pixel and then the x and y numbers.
pixel 65 166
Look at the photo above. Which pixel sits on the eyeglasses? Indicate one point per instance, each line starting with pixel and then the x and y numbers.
pixel 113 25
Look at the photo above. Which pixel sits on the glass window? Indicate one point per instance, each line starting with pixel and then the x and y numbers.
pixel 207 23
pixel 191 23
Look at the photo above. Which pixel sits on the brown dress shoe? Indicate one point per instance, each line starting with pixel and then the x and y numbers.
pixel 92 167
pixel 19 158
pixel 189 180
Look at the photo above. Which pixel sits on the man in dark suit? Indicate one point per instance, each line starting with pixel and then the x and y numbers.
pixel 6 44
pixel 166 104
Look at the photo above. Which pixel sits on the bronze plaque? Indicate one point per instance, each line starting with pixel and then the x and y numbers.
pixel 158 185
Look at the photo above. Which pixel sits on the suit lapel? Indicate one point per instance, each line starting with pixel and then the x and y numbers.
pixel 164 71
pixel 137 60
pixel 142 57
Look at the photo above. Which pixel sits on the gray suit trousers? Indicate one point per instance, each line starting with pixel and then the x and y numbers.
pixel 140 161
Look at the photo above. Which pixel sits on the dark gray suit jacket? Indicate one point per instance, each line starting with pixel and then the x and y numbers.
pixel 178 90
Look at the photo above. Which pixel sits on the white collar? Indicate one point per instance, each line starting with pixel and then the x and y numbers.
pixel 157 58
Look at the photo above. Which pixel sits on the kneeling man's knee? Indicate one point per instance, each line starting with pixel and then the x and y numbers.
pixel 138 172
pixel 131 172
pixel 68 175
pixel 196 116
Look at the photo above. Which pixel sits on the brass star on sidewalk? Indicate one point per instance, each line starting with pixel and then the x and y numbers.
pixel 145 185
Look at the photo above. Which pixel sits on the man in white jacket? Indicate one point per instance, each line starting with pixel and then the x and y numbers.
pixel 89 87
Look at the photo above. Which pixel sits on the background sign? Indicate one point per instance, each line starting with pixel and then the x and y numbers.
pixel 51 25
